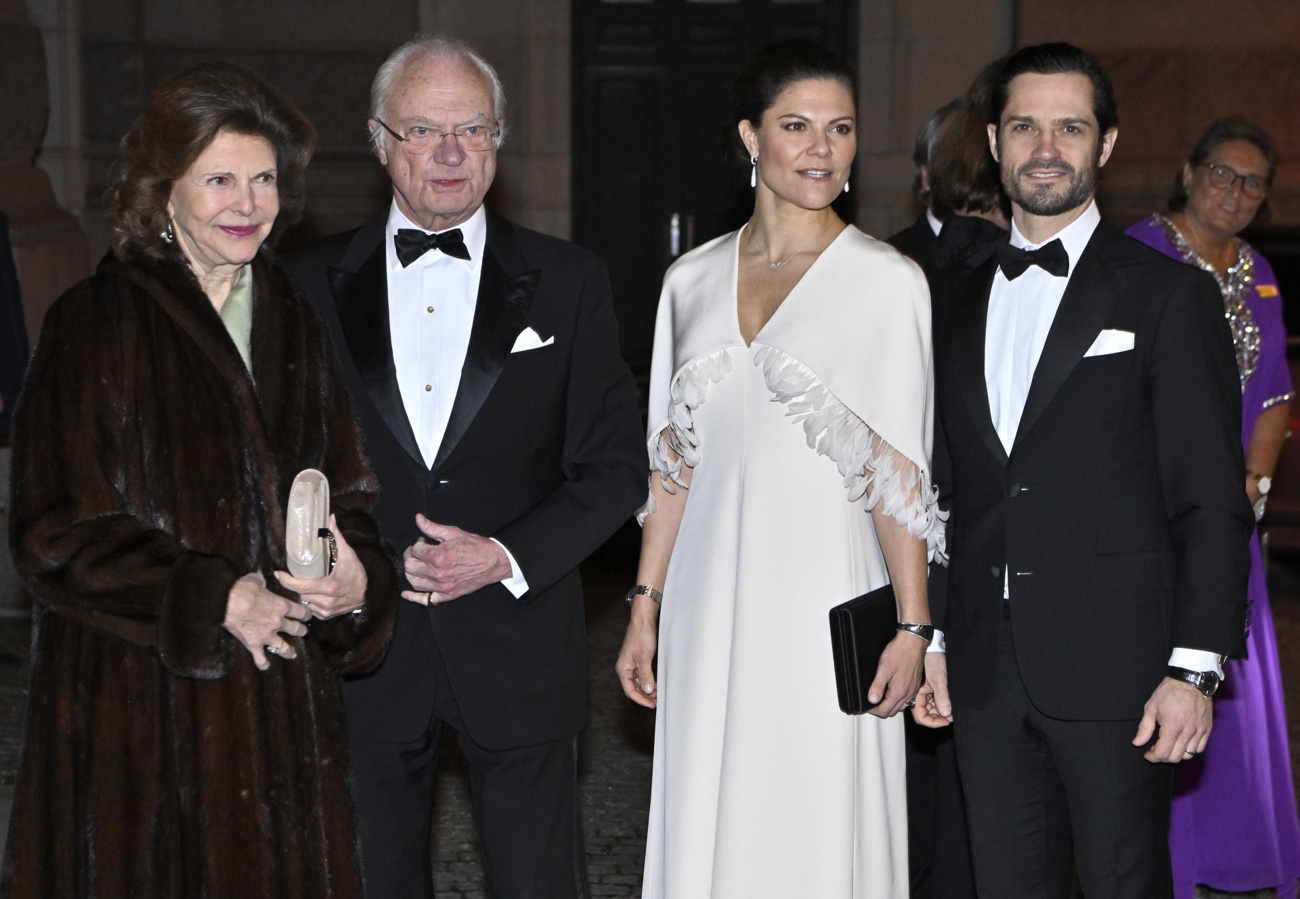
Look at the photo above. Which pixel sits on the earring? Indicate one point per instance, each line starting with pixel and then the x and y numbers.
pixel 753 171
pixel 846 185
pixel 169 235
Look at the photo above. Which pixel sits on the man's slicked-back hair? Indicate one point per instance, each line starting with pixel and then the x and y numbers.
pixel 418 49
pixel 1059 59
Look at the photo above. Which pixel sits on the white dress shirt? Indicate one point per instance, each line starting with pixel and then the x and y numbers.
pixel 431 306
pixel 1020 314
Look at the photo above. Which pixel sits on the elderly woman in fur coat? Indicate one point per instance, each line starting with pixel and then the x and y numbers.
pixel 185 734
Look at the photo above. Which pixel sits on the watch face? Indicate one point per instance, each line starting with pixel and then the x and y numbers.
pixel 1264 485
pixel 1209 683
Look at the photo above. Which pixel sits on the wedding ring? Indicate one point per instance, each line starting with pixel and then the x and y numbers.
pixel 909 704
pixel 1188 754
pixel 428 598
pixel 272 650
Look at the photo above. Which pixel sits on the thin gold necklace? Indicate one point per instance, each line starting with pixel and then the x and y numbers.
pixel 783 262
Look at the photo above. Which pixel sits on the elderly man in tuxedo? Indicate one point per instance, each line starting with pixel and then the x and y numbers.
pixel 502 423
pixel 1089 410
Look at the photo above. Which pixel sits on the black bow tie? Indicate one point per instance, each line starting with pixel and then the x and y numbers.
pixel 412 244
pixel 1050 257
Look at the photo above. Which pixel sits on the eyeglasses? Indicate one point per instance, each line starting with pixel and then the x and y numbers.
pixel 1222 178
pixel 423 139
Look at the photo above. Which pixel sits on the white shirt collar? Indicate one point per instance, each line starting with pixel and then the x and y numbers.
pixel 935 225
pixel 1074 236
pixel 473 230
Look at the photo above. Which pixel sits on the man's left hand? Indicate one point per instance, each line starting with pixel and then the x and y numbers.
pixel 451 563
pixel 1184 717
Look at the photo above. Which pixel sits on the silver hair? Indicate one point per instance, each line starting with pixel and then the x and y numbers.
pixel 436 46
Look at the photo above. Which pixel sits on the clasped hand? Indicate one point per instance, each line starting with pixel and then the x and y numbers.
pixel 262 620
pixel 447 563
pixel 898 675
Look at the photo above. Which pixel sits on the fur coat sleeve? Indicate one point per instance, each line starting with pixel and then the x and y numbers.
pixel 151 471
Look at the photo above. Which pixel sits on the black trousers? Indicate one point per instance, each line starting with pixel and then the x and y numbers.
pixel 1044 796
pixel 938 845
pixel 525 807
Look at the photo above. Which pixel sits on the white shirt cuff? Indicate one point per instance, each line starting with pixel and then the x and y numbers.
pixel 515 583
pixel 937 643
pixel 1196 660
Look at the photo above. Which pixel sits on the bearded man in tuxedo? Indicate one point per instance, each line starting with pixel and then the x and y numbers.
pixel 1088 450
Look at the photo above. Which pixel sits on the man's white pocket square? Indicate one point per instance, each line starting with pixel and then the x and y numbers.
pixel 529 339
pixel 1110 341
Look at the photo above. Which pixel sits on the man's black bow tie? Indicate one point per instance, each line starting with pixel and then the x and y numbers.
pixel 412 244
pixel 1050 257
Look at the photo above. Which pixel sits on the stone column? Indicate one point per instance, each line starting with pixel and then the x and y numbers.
pixel 49 245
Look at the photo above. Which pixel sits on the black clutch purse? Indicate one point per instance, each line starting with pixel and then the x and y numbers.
pixel 860 630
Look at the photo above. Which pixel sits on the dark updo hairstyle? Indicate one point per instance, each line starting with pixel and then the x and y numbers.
pixel 964 176
pixel 1221 131
pixel 180 119
pixel 770 71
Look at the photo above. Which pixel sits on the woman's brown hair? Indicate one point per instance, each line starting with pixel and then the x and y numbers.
pixel 180 118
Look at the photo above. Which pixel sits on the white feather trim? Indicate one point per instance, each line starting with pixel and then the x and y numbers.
pixel 869 464
pixel 676 443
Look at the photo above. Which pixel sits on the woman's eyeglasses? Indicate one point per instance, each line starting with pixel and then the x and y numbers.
pixel 1222 178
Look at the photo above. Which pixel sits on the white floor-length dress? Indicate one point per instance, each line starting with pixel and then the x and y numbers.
pixel 762 786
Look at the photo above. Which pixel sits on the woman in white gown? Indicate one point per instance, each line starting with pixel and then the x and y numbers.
pixel 789 438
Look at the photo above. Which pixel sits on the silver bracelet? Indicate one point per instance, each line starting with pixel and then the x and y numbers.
pixel 924 631
pixel 644 590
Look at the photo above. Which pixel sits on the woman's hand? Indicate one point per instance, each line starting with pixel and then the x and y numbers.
pixel 259 618
pixel 635 665
pixel 340 591
pixel 898 675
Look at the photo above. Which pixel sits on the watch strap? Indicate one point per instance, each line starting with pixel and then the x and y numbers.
pixel 1205 681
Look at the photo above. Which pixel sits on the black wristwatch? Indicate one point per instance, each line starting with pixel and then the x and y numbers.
pixel 1205 681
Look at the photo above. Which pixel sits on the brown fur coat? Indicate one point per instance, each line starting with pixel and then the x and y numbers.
pixel 149 473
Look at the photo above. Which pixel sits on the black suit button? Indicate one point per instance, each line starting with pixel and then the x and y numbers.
pixel 1013 491
pixel 995 571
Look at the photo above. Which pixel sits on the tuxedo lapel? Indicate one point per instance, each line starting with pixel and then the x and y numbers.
pixel 505 295
pixel 1086 306
pixel 969 325
pixel 360 288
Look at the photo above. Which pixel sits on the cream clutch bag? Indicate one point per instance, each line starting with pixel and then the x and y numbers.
pixel 308 540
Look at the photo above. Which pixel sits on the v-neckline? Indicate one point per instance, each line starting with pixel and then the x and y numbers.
pixel 785 301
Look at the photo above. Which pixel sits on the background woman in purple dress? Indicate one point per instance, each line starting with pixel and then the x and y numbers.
pixel 1234 824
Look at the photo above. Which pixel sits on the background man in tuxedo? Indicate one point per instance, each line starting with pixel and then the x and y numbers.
pixel 502 422
pixel 1089 410
pixel 916 239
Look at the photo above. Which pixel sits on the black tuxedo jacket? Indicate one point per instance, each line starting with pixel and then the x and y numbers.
pixel 915 241
pixel 544 451
pixel 1120 511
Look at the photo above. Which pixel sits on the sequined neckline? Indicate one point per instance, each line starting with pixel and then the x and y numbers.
pixel 1235 286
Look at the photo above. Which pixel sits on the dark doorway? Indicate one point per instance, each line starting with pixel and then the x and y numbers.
pixel 652 92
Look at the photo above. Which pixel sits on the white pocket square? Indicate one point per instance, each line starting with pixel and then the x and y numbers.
pixel 1110 341
pixel 529 339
